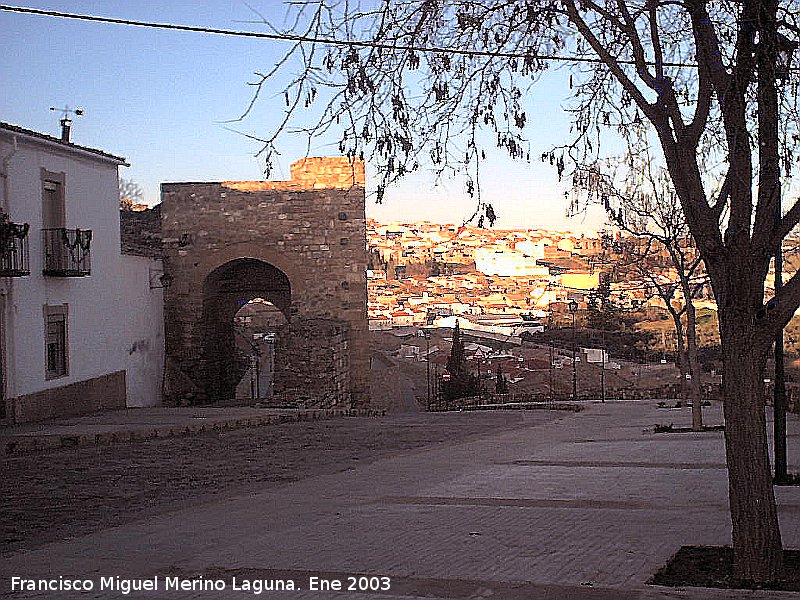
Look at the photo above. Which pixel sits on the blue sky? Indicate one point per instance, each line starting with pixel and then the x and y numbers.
pixel 160 99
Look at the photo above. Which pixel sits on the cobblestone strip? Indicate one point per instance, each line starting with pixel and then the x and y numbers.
pixel 15 445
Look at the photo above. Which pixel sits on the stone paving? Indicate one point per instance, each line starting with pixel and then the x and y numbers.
pixel 137 424
pixel 75 491
pixel 582 506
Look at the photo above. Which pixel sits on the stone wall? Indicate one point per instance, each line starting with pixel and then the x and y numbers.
pixel 313 230
pixel 386 388
pixel 140 232
pixel 311 374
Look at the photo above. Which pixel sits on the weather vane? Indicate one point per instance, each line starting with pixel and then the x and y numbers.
pixel 66 121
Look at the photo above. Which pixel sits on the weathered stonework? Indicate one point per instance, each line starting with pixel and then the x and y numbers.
pixel 140 232
pixel 300 244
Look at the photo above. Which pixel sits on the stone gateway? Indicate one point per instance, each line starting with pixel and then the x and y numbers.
pixel 298 246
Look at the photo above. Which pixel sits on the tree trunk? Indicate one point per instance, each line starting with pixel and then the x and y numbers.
pixel 680 353
pixel 757 548
pixel 693 379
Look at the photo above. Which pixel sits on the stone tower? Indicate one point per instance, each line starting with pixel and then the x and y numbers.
pixel 300 245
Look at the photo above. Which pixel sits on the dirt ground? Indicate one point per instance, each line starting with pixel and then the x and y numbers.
pixel 49 497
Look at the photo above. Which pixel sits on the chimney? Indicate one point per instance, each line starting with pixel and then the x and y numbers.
pixel 65 127
pixel 66 122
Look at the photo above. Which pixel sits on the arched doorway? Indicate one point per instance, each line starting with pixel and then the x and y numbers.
pixel 227 290
pixel 260 328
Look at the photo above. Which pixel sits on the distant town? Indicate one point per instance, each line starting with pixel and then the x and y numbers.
pixel 561 314
pixel 509 280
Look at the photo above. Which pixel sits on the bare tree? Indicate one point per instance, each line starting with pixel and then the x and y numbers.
pixel 130 193
pixel 659 248
pixel 426 82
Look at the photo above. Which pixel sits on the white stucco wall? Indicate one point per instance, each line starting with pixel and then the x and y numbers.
pixel 142 334
pixel 115 320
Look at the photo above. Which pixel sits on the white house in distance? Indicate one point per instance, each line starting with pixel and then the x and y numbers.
pixel 81 324
pixel 508 262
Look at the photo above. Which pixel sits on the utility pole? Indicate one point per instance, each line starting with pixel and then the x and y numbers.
pixel 257 352
pixel 573 308
pixel 552 379
pixel 603 366
pixel 785 50
pixel 779 392
pixel 427 335
pixel 253 379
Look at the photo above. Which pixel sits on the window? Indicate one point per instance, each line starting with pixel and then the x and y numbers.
pixel 56 341
pixel 53 209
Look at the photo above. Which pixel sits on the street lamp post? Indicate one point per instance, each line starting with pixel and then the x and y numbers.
pixel 436 389
pixel 603 366
pixel 779 390
pixel 552 379
pixel 573 308
pixel 257 358
pixel 783 58
pixel 446 377
pixel 479 389
pixel 786 48
pixel 427 335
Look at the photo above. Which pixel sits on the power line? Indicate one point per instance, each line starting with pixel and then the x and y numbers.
pixel 287 37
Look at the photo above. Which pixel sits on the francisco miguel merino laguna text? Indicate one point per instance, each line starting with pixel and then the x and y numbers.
pixel 126 586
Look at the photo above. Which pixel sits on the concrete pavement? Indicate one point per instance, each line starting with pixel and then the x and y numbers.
pixel 588 506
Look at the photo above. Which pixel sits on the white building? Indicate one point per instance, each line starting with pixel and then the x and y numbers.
pixel 530 248
pixel 505 262
pixel 81 324
pixel 509 333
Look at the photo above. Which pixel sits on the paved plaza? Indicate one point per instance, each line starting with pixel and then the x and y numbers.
pixel 533 505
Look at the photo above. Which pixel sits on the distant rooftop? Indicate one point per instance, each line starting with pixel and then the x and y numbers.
pixel 55 140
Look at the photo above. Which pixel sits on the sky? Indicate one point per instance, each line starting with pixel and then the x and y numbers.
pixel 164 101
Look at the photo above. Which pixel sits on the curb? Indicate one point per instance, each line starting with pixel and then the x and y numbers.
pixel 564 406
pixel 28 444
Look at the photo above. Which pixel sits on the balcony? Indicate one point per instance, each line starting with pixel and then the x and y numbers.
pixel 67 252
pixel 13 249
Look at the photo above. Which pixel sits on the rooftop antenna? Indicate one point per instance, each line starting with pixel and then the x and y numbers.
pixel 66 121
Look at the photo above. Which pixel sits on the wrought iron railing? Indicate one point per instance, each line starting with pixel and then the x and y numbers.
pixel 13 249
pixel 67 252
